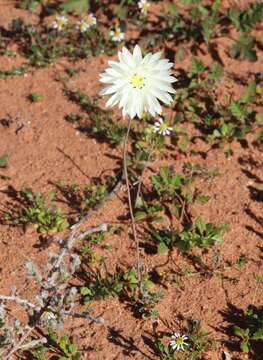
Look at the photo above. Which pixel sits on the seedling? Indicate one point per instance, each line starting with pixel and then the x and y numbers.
pixel 126 286
pixel 62 347
pixel 35 97
pixel 4 160
pixel 200 234
pixel 46 218
pixel 196 344
pixel 251 333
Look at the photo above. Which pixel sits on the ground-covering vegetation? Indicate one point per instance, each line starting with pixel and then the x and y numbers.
pixel 154 249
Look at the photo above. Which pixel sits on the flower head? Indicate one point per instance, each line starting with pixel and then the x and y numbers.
pixel 117 35
pixel 86 23
pixel 48 318
pixel 144 6
pixel 136 83
pixel 162 127
pixel 178 341
pixel 60 22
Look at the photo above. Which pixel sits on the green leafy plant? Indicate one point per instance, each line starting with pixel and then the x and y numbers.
pixel 244 49
pixel 101 123
pixel 246 20
pixel 198 342
pixel 62 347
pixel 77 6
pixel 200 234
pixel 126 286
pixel 46 218
pixel 175 193
pixel 35 97
pixel 200 23
pixel 251 333
pixel 4 160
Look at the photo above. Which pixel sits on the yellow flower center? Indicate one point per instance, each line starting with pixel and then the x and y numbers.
pixel 145 6
pixel 62 22
pixel 138 81
pixel 117 34
pixel 89 20
pixel 163 126
pixel 82 26
pixel 180 341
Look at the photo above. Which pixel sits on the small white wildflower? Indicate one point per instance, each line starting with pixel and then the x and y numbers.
pixel 178 341
pixel 144 5
pixel 60 22
pixel 86 23
pixel 48 318
pixel 117 35
pixel 136 83
pixel 162 128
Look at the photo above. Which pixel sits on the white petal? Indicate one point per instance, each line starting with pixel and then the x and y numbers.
pixel 146 59
pixel 110 90
pixel 106 79
pixel 127 58
pixel 163 96
pixel 155 57
pixel 118 66
pixel 113 72
pixel 159 85
pixel 113 100
pixel 137 55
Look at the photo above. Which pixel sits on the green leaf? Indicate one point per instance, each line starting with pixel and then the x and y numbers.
pixel 244 347
pixel 217 72
pixel 258 335
pixel 121 12
pixel 200 224
pixel 216 5
pixel 77 6
pixel 240 332
pixel 259 118
pixel 162 248
pixel 172 8
pixel 63 342
pixel 140 215
pixel 237 110
pixel 85 291
pixel 72 349
pixel 29 4
pixel 202 199
pixel 4 160
pixel 249 94
pixel 197 66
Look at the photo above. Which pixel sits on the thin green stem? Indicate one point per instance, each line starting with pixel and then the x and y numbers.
pixel 138 264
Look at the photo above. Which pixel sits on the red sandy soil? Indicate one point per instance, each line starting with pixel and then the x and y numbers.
pixel 49 148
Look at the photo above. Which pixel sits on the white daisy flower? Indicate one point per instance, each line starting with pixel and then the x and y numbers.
pixel 137 83
pixel 117 35
pixel 60 22
pixel 162 127
pixel 86 23
pixel 48 318
pixel 144 5
pixel 178 341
